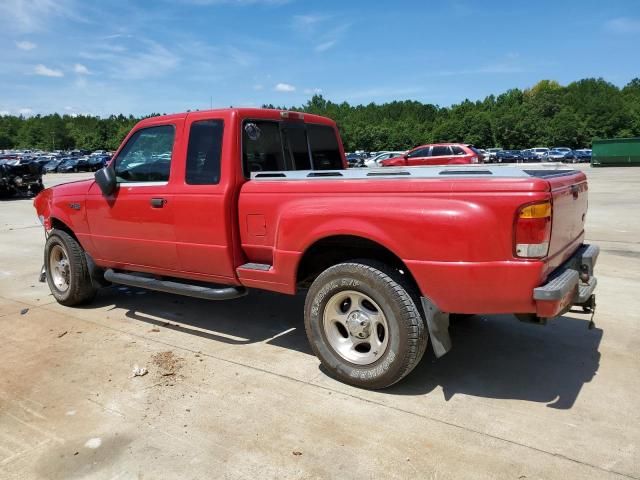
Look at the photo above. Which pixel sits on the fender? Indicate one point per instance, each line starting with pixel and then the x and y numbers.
pixel 66 204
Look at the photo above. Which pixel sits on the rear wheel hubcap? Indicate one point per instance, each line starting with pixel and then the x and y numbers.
pixel 355 327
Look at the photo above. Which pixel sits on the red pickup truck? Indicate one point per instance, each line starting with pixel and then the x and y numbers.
pixel 210 204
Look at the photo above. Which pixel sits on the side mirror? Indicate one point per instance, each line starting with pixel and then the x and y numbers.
pixel 106 180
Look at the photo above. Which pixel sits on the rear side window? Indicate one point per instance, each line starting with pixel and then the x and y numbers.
pixel 282 146
pixel 147 156
pixel 325 152
pixel 262 147
pixel 439 151
pixel 203 153
pixel 458 150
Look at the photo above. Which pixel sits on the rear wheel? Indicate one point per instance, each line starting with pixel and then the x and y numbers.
pixel 364 325
pixel 67 271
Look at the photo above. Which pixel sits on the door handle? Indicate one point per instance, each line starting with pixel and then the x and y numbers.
pixel 158 202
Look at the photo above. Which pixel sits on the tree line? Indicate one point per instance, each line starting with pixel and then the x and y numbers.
pixel 547 114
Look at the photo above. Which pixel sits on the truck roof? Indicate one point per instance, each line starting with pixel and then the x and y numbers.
pixel 224 113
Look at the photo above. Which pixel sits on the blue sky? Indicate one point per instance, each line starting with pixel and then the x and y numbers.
pixel 142 56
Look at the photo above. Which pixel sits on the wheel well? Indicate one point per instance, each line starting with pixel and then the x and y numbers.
pixel 341 248
pixel 60 225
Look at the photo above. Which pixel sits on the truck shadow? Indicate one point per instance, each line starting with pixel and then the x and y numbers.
pixel 259 317
pixel 498 357
pixel 493 356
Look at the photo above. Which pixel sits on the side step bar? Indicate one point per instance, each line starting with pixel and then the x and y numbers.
pixel 168 286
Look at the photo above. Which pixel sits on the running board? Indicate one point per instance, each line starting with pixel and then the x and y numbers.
pixel 256 266
pixel 178 288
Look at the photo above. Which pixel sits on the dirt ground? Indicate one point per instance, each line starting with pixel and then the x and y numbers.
pixel 232 389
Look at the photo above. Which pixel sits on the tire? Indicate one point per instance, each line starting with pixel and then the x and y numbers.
pixel 70 283
pixel 400 332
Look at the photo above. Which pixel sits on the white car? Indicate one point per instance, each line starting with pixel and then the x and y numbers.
pixel 375 161
pixel 540 152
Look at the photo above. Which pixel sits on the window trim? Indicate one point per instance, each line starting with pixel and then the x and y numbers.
pixel 115 159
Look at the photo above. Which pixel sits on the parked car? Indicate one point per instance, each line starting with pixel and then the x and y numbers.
pixel 508 156
pixel 583 155
pixel 355 160
pixel 528 156
pixel 491 152
pixel 53 165
pixel 436 154
pixel 562 149
pixel 555 156
pixel 74 165
pixel 384 255
pixel 96 162
pixel 540 152
pixel 377 160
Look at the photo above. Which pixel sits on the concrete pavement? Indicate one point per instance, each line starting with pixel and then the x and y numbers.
pixel 243 397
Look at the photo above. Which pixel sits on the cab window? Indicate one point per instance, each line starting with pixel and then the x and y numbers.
pixel 282 146
pixel 147 156
pixel 203 152
pixel 262 147
pixel 325 152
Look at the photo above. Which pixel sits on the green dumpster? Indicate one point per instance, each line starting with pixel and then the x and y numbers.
pixel 616 152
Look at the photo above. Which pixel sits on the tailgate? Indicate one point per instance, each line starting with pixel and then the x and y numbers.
pixel 569 193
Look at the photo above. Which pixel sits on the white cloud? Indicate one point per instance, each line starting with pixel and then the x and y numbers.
pixel 258 87
pixel 25 111
pixel 623 25
pixel 33 15
pixel 284 87
pixel 81 69
pixel 4 113
pixel 324 46
pixel 149 59
pixel 26 45
pixel 307 22
pixel 154 61
pixel 47 72
pixel 312 91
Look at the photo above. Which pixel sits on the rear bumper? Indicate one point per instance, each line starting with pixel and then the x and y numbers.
pixel 572 283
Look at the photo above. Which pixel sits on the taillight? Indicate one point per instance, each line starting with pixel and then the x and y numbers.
pixel 474 159
pixel 532 230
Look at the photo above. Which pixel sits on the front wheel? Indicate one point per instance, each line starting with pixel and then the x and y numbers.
pixel 66 270
pixel 363 324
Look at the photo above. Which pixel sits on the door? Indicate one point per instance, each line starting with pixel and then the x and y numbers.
pixel 206 206
pixel 440 155
pixel 135 225
pixel 419 156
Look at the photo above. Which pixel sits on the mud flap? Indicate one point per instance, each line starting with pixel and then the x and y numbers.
pixel 438 325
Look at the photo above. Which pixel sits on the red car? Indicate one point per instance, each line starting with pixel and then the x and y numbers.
pixel 436 154
pixel 211 204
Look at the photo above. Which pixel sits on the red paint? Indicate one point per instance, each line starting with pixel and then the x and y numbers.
pixel 455 235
